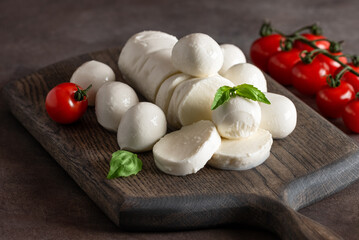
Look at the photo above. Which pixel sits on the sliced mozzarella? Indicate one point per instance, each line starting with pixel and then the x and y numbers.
pixel 239 117
pixel 243 153
pixel 113 99
pixel 247 73
pixel 198 55
pixel 141 44
pixel 187 150
pixel 141 127
pixel 279 117
pixel 165 92
pixel 156 68
pixel 192 99
pixel 231 55
pixel 92 73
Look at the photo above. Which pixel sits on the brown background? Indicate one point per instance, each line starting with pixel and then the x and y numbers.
pixel 38 200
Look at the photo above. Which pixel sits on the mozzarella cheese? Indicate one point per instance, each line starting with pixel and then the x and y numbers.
pixel 231 55
pixel 187 150
pixel 239 117
pixel 279 117
pixel 192 99
pixel 113 99
pixel 165 92
pixel 243 153
pixel 198 55
pixel 141 44
pixel 141 127
pixel 247 73
pixel 92 73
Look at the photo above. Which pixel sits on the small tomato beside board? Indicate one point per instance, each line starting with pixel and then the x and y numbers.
pixel 66 103
pixel 351 115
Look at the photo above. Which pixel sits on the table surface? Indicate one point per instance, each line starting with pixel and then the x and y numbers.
pixel 38 200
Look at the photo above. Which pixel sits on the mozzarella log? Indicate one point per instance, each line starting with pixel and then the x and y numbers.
pixel 231 55
pixel 141 127
pixel 197 54
pixel 92 73
pixel 237 118
pixel 247 73
pixel 192 99
pixel 243 153
pixel 113 99
pixel 187 150
pixel 279 117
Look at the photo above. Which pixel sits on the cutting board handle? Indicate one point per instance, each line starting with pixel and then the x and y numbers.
pixel 286 222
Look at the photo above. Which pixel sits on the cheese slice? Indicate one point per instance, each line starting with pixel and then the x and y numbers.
pixel 192 99
pixel 244 153
pixel 165 92
pixel 187 150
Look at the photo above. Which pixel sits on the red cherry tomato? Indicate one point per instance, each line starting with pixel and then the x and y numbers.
pixel 320 44
pixel 333 65
pixel 351 115
pixel 332 100
pixel 350 77
pixel 263 48
pixel 280 65
pixel 61 105
pixel 309 78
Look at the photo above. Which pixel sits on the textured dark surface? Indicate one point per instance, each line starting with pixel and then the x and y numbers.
pixel 37 198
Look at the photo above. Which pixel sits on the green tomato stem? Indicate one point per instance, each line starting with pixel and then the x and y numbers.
pixel 81 94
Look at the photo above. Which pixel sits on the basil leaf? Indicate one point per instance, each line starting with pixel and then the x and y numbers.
pixel 221 97
pixel 224 93
pixel 251 92
pixel 124 164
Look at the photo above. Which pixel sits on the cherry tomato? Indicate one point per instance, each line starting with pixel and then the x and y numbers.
pixel 263 48
pixel 320 44
pixel 61 105
pixel 333 65
pixel 280 65
pixel 350 77
pixel 332 100
pixel 309 78
pixel 351 115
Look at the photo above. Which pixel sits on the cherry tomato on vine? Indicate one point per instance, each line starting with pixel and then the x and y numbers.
pixel 333 65
pixel 332 100
pixel 351 115
pixel 309 78
pixel 320 44
pixel 66 103
pixel 280 65
pixel 263 48
pixel 351 77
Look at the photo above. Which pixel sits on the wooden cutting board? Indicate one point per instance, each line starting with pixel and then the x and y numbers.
pixel 316 160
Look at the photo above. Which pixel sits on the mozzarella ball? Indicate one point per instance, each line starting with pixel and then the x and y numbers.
pixel 231 55
pixel 95 73
pixel 279 117
pixel 247 73
pixel 113 99
pixel 198 55
pixel 141 127
pixel 237 118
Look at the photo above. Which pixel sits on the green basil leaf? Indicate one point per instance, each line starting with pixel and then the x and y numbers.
pixel 251 92
pixel 124 164
pixel 221 97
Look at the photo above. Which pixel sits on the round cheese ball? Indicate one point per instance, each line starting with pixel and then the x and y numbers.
pixel 247 73
pixel 95 73
pixel 231 55
pixel 198 55
pixel 279 117
pixel 141 127
pixel 113 99
pixel 237 118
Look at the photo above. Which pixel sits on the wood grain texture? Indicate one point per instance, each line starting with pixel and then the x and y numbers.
pixel 302 168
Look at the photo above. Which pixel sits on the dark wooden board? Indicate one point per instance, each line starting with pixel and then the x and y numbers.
pixel 316 160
